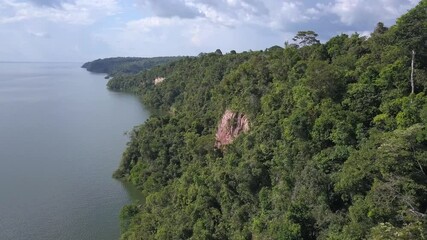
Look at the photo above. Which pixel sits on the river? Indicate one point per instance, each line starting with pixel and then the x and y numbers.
pixel 61 138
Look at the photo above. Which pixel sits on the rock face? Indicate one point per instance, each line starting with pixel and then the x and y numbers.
pixel 231 126
pixel 158 80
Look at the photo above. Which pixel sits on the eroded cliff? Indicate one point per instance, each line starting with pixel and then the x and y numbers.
pixel 232 124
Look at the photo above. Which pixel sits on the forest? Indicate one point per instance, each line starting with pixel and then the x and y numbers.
pixel 126 65
pixel 335 148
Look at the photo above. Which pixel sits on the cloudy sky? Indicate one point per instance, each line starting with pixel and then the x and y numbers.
pixel 82 30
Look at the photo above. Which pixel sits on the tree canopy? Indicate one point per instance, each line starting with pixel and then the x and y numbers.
pixel 306 38
pixel 336 147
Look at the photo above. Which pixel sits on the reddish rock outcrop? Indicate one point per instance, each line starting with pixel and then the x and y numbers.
pixel 231 126
pixel 158 80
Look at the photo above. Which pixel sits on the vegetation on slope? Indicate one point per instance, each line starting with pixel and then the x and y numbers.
pixel 336 147
pixel 126 65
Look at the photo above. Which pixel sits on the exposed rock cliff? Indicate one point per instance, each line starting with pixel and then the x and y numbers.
pixel 158 80
pixel 231 126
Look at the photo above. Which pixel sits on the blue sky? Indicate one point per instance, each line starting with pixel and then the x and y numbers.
pixel 83 30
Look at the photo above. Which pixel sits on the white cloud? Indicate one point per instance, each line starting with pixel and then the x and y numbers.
pixel 51 30
pixel 206 24
pixel 38 34
pixel 146 24
pixel 313 11
pixel 355 11
pixel 78 12
pixel 228 13
pixel 155 36
pixel 213 14
pixel 283 15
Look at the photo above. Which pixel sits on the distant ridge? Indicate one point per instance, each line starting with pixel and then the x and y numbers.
pixel 126 65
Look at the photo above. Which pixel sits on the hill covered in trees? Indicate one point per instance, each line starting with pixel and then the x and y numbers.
pixel 335 147
pixel 126 65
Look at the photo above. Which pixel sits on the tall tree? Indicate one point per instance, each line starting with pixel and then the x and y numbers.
pixel 380 28
pixel 306 38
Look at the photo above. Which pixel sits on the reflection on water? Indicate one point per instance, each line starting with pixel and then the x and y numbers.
pixel 133 192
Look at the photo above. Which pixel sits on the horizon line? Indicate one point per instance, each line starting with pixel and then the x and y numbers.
pixel 1 61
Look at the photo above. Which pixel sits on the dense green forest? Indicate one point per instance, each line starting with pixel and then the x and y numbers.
pixel 126 65
pixel 336 147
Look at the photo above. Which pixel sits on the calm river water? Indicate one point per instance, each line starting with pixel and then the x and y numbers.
pixel 61 138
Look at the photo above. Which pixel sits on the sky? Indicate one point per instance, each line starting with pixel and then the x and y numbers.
pixel 84 30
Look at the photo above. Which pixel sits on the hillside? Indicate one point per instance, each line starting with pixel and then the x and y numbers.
pixel 309 141
pixel 126 65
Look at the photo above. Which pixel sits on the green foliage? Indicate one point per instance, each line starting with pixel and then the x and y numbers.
pixel 336 147
pixel 126 65
pixel 126 215
pixel 306 38
pixel 411 32
pixel 386 231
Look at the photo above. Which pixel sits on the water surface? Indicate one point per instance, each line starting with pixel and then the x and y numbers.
pixel 61 137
